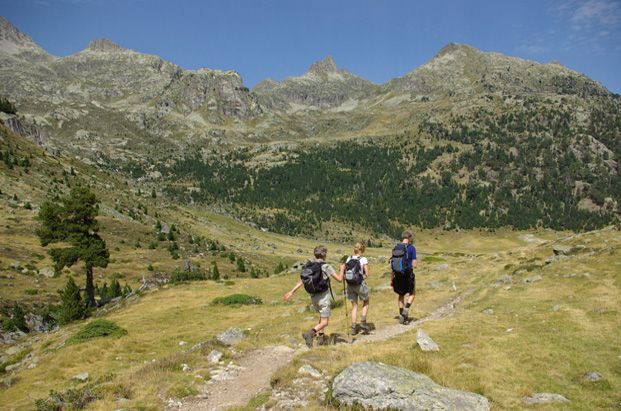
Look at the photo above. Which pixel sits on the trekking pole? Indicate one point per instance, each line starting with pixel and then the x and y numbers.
pixel 349 337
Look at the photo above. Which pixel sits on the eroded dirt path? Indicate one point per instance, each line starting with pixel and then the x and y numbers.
pixel 235 386
pixel 238 384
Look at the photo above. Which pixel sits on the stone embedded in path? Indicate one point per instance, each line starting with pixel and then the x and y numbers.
pixel 310 371
pixel 544 398
pixel 214 356
pixel 381 386
pixel 532 279
pixel 231 336
pixel 488 311
pixel 425 342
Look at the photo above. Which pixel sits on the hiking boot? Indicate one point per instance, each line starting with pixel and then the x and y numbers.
pixel 322 339
pixel 308 339
pixel 364 327
pixel 401 319
pixel 354 329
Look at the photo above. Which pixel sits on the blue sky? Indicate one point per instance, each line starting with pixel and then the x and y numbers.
pixel 375 39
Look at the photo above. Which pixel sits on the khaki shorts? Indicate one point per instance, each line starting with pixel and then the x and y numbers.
pixel 321 302
pixel 358 292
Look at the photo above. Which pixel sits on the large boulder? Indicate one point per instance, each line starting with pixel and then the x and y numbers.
pixel 231 336
pixel 381 386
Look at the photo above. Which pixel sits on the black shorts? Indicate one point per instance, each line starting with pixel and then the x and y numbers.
pixel 405 283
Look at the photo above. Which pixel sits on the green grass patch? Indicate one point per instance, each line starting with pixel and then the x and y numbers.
pixel 31 291
pixel 237 299
pixel 433 259
pixel 95 329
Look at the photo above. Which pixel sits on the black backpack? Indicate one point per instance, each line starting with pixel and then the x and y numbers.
pixel 399 259
pixel 353 271
pixel 313 279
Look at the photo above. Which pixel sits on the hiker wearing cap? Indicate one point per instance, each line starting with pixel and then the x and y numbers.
pixel 315 277
pixel 355 270
pixel 403 262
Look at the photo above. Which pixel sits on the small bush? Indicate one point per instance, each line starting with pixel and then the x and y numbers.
pixel 31 291
pixel 237 299
pixel 72 399
pixel 179 276
pixel 97 328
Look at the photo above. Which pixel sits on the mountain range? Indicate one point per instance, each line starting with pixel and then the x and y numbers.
pixel 489 120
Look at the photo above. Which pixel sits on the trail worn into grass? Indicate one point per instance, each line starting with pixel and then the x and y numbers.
pixel 237 386
pixel 390 331
pixel 241 383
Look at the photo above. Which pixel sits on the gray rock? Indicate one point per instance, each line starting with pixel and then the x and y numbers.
pixel 544 398
pixel 214 357
pixel 310 371
pixel 532 279
pixel 504 279
pixel 488 311
pixel 381 386
pixel 165 229
pixel 47 272
pixel 425 342
pixel 560 249
pixel 441 267
pixel 81 377
pixel 189 267
pixel 12 367
pixel 16 265
pixel 231 336
pixel 593 376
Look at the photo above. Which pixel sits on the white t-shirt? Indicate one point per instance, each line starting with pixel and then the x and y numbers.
pixel 363 262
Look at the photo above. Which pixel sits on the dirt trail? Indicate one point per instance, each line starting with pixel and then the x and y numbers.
pixel 236 385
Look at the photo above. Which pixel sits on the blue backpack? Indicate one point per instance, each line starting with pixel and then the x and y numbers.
pixel 399 260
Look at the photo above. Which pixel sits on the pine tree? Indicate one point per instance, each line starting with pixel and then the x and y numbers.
pixel 73 221
pixel 241 267
pixel 215 273
pixel 18 319
pixel 72 307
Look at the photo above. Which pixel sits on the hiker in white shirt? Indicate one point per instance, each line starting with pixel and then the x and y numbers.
pixel 355 271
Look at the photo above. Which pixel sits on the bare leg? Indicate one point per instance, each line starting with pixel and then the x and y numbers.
pixel 323 323
pixel 365 308
pixel 354 311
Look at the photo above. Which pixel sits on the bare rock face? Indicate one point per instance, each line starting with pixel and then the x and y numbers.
pixel 380 386
pixel 103 45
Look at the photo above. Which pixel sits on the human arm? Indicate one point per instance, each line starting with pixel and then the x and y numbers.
pixel 330 272
pixel 290 293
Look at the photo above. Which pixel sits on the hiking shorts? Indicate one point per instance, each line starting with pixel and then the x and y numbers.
pixel 358 292
pixel 405 283
pixel 321 302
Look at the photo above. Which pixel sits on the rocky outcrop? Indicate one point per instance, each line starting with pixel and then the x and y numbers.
pixel 322 86
pixel 381 386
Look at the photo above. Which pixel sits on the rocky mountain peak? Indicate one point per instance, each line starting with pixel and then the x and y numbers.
pixel 325 66
pixel 11 39
pixel 103 45
pixel 453 48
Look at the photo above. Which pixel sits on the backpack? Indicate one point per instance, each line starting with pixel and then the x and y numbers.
pixel 313 279
pixel 399 260
pixel 353 271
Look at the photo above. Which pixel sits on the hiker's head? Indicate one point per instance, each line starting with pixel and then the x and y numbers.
pixel 406 235
pixel 359 248
pixel 321 252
